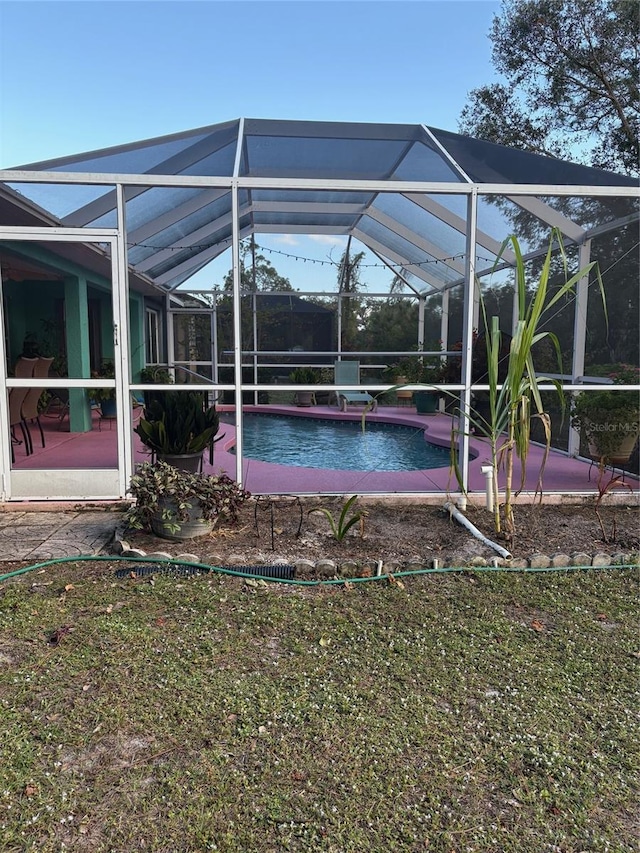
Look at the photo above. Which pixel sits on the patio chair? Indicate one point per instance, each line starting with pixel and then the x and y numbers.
pixel 24 367
pixel 16 399
pixel 30 411
pixel 58 406
pixel 348 373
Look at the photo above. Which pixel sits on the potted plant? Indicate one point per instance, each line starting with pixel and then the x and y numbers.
pixel 417 370
pixel 304 376
pixel 609 420
pixel 105 397
pixel 401 373
pixel 178 426
pixel 177 504
pixel 325 377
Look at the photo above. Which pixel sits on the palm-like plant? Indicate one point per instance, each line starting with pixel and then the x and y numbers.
pixel 178 422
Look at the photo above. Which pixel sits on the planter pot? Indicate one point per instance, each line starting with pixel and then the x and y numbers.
pixel 108 408
pixel 426 402
pixel 191 462
pixel 179 530
pixel 305 398
pixel 403 395
pixel 616 455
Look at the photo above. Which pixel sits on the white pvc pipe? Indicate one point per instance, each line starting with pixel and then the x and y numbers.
pixel 464 521
pixel 487 470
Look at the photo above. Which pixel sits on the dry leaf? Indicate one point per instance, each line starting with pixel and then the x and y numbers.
pixel 110 608
pixel 537 625
pixel 601 617
pixel 30 790
pixel 69 587
pixel 324 641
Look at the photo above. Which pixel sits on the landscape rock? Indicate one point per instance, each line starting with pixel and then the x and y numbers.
pixel 119 546
pixel 188 558
pixel 539 561
pixel 326 568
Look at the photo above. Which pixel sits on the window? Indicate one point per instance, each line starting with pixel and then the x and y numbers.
pixel 152 343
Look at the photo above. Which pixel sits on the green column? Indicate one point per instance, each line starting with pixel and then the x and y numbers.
pixel 77 334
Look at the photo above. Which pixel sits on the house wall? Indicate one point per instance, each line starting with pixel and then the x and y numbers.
pixel 36 316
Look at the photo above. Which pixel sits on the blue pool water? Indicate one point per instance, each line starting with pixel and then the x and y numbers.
pixel 342 445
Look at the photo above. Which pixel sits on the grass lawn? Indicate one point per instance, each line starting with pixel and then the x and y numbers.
pixel 458 712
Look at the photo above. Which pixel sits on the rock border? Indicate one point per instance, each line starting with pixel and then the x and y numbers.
pixel 369 568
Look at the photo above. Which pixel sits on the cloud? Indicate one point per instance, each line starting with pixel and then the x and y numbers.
pixel 329 239
pixel 287 240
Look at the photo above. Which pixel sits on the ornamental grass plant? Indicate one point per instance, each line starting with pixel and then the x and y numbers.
pixel 516 399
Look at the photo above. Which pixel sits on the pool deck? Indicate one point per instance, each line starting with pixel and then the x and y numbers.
pixel 562 474
pixel 97 449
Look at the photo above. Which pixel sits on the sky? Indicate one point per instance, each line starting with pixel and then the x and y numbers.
pixel 79 76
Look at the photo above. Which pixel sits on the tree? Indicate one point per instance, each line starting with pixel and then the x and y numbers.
pixel 256 272
pixel 571 82
pixel 349 283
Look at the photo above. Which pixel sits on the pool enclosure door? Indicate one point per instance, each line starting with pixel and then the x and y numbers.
pixel 69 326
pixel 192 344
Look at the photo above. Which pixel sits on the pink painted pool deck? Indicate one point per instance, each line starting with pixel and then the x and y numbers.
pixel 97 449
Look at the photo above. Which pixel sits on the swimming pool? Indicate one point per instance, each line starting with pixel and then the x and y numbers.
pixel 339 444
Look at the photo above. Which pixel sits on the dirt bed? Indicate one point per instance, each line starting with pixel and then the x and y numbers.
pixel 398 534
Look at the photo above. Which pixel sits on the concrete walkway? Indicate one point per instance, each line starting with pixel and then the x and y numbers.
pixel 38 536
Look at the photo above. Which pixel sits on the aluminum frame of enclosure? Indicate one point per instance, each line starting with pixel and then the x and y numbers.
pixel 247 214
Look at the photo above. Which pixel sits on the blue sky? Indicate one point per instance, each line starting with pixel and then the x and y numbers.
pixel 76 76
